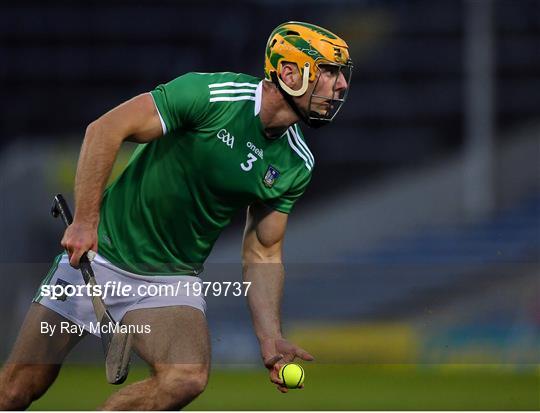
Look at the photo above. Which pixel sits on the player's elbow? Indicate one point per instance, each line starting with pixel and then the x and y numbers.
pixel 92 129
pixel 96 130
pixel 262 255
pixel 105 128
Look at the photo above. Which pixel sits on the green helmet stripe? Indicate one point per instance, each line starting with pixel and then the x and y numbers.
pixel 304 47
pixel 274 59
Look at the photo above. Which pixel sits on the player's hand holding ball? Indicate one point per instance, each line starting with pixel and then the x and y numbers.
pixel 278 355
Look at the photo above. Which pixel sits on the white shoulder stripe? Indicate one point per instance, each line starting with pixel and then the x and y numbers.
pixel 298 152
pixel 232 91
pixel 212 85
pixel 231 98
pixel 163 125
pixel 302 144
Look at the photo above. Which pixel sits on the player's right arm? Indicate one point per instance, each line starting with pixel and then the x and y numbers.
pixel 135 120
pixel 263 269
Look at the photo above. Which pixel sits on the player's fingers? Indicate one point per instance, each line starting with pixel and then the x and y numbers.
pixel 69 251
pixel 65 239
pixel 304 355
pixel 289 358
pixel 66 245
pixel 274 375
pixel 270 362
pixel 75 258
pixel 276 381
pixel 283 389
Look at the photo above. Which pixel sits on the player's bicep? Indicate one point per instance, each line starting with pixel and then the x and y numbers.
pixel 136 120
pixel 264 234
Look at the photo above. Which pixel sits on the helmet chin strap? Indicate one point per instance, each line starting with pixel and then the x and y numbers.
pixel 305 83
pixel 288 94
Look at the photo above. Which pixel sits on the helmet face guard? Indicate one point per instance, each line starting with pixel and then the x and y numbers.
pixel 323 109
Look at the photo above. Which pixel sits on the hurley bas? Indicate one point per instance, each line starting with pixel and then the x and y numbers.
pixel 97 328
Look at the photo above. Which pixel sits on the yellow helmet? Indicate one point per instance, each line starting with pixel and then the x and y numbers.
pixel 308 46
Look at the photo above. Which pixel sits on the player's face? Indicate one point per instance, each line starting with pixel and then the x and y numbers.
pixel 330 86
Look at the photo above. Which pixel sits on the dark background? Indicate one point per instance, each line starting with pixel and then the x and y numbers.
pixel 420 231
pixel 62 64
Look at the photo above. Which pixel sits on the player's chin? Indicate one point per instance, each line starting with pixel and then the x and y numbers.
pixel 321 108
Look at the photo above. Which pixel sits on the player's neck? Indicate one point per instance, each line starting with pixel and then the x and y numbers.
pixel 276 114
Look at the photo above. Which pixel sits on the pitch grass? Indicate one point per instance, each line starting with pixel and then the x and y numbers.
pixel 328 387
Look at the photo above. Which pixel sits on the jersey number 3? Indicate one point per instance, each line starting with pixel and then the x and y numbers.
pixel 246 166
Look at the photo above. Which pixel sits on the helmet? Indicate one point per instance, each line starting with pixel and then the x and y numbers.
pixel 309 47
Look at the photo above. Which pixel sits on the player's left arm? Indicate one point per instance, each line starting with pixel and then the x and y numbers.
pixel 263 267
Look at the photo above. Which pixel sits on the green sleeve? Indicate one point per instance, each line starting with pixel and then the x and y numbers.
pixel 285 203
pixel 183 102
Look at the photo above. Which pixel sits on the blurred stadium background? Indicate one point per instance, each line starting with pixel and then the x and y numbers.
pixel 413 259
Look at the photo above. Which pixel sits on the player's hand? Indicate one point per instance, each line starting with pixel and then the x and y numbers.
pixel 78 239
pixel 276 352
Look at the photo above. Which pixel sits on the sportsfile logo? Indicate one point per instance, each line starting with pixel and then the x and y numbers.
pixel 226 138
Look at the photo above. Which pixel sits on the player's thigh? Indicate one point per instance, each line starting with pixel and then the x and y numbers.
pixel 38 343
pixel 36 357
pixel 176 335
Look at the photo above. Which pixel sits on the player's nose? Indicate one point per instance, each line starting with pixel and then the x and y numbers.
pixel 341 82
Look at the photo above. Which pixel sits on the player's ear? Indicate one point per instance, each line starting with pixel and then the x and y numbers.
pixel 290 75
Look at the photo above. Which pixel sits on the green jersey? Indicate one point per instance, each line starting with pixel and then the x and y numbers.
pixel 163 214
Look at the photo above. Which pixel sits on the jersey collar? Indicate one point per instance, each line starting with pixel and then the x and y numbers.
pixel 257 110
